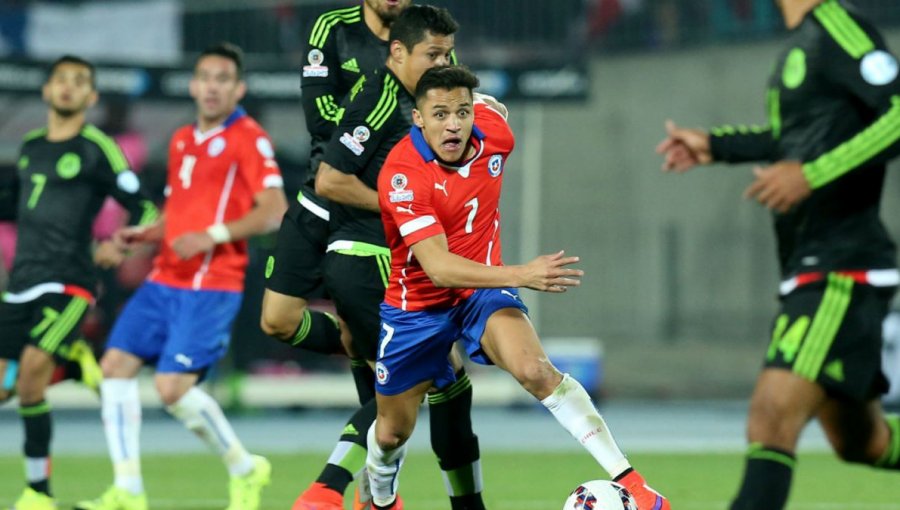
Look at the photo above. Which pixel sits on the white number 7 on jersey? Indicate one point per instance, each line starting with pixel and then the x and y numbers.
pixel 187 168
pixel 388 335
pixel 474 205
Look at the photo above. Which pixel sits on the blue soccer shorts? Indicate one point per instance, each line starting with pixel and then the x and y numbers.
pixel 414 346
pixel 179 330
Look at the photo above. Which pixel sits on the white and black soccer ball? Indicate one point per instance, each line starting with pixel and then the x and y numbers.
pixel 600 495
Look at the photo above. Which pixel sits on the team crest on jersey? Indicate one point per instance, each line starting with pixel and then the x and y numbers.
pixel 128 182
pixel 68 165
pixel 495 165
pixel 400 193
pixel 382 375
pixel 23 163
pixel 315 69
pixel 878 68
pixel 216 146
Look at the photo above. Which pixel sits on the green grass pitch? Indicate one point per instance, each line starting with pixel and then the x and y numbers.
pixel 514 481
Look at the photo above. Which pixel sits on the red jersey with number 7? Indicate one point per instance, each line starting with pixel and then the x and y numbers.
pixel 213 178
pixel 420 198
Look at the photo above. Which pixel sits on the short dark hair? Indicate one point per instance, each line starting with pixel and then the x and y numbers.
pixel 446 78
pixel 227 50
pixel 72 59
pixel 413 24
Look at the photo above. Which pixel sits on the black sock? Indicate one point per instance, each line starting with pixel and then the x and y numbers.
pixel 767 479
pixel 890 459
pixel 318 332
pixel 38 431
pixel 338 476
pixel 364 378
pixel 455 444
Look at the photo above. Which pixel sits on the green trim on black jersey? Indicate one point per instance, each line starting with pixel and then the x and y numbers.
pixel 328 20
pixel 110 148
pixel 867 144
pixel 738 130
pixel 35 133
pixel 329 109
pixel 773 102
pixel 824 327
pixel 843 28
pixel 386 104
pixel 150 213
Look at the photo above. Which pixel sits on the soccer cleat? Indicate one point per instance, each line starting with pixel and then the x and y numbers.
pixel 645 497
pixel 115 498
pixel 362 494
pixel 91 374
pixel 34 500
pixel 245 491
pixel 396 505
pixel 319 497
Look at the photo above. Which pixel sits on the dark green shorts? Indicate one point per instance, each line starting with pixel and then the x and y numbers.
pixel 830 332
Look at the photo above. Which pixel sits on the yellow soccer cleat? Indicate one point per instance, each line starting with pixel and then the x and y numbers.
pixel 34 500
pixel 91 374
pixel 115 498
pixel 245 491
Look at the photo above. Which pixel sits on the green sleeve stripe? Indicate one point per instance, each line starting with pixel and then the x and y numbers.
pixel 861 148
pixel 844 29
pixel 773 102
pixel 386 104
pixel 327 21
pixel 150 214
pixel 35 133
pixel 738 130
pixel 824 327
pixel 109 147
pixel 328 108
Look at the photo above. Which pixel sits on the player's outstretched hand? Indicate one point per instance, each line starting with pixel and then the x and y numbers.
pixel 128 238
pixel 548 273
pixel 192 243
pixel 780 186
pixel 108 254
pixel 683 148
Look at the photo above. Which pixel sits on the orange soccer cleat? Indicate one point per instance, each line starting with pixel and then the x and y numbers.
pixel 319 497
pixel 646 498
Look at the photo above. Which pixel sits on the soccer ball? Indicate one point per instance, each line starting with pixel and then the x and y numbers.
pixel 600 495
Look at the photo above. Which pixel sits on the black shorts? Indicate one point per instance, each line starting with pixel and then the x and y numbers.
pixel 295 269
pixel 356 284
pixel 830 332
pixel 51 322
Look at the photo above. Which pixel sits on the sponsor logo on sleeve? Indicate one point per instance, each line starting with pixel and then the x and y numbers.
pixel 348 141
pixel 315 69
pixel 400 193
pixel 128 182
pixel 878 68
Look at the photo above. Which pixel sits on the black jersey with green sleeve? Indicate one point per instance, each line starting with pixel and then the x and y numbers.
pixel 340 50
pixel 834 106
pixel 374 120
pixel 62 185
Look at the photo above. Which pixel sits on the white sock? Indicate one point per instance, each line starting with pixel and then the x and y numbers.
pixel 121 411
pixel 383 468
pixel 573 409
pixel 201 414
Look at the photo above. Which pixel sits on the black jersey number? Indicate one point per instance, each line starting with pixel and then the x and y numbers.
pixel 39 181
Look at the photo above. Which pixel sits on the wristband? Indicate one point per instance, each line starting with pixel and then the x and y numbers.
pixel 219 233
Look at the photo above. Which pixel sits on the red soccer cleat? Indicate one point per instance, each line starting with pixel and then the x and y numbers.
pixel 319 497
pixel 646 498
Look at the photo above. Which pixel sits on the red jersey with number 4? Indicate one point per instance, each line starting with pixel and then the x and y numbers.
pixel 420 198
pixel 213 178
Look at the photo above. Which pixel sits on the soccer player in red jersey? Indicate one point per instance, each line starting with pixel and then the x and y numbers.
pixel 224 186
pixel 439 192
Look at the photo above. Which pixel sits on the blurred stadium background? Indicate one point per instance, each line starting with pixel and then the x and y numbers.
pixel 681 273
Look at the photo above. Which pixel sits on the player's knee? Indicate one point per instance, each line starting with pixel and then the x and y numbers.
pixel 538 376
pixel 773 421
pixel 169 391
pixel 391 439
pixel 277 325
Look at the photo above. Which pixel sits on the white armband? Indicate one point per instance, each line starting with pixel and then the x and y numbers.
pixel 219 233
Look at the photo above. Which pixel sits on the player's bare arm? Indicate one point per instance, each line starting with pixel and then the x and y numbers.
pixel 265 217
pixel 492 102
pixel 684 148
pixel 546 273
pixel 343 188
pixel 128 238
